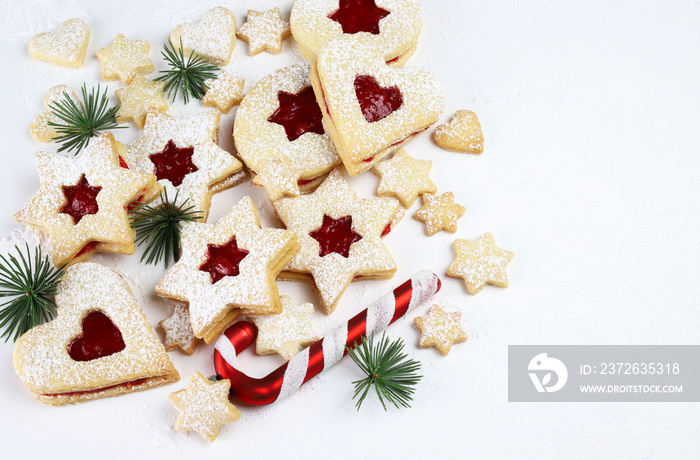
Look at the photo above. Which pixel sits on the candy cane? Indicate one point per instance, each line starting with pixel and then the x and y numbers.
pixel 321 355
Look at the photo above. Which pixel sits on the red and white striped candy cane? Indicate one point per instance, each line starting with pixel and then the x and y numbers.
pixel 321 355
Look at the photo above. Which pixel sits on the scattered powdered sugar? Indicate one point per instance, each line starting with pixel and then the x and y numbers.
pixel 65 46
pixel 178 331
pixel 23 18
pixel 287 332
pixel 480 262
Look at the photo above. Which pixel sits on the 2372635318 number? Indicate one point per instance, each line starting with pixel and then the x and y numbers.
pixel 640 368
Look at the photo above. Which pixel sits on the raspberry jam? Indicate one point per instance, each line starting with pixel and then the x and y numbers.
pixel 376 102
pixel 100 338
pixel 223 260
pixel 298 113
pixel 335 235
pixel 81 200
pixel 173 163
pixel 358 16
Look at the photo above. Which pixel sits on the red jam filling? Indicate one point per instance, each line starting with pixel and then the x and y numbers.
pixel 173 163
pixel 335 235
pixel 376 102
pixel 359 16
pixel 122 163
pixel 386 230
pixel 87 248
pixel 298 113
pixel 81 199
pixel 223 260
pixel 127 385
pixel 100 338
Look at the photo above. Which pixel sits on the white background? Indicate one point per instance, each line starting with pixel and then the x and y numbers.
pixel 590 176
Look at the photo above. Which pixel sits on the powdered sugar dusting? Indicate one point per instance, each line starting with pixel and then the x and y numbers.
pixel 22 18
pixel 65 46
pixel 213 37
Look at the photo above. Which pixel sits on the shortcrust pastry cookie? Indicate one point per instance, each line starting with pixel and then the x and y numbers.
pixel 279 177
pixel 404 177
pixel 287 333
pixel 184 156
pixel 264 31
pixel 439 212
pixel 178 331
pixel 125 58
pixel 213 38
pixel 141 96
pixel 461 134
pixel 224 91
pixel 440 329
pixel 228 269
pixel 65 46
pixel 100 344
pixel 280 118
pixel 479 263
pixel 390 26
pixel 40 128
pixel 340 236
pixel 204 406
pixel 82 201
pixel 371 109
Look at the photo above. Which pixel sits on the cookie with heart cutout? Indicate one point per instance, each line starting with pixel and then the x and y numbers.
pixel 371 109
pixel 212 38
pixel 280 119
pixel 390 26
pixel 100 344
pixel 65 46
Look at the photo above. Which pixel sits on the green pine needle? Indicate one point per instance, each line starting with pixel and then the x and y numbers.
pixel 186 73
pixel 160 227
pixel 79 123
pixel 387 368
pixel 29 280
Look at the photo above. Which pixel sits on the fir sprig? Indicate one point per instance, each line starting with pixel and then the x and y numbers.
pixel 159 227
pixel 387 368
pixel 186 73
pixel 30 280
pixel 79 123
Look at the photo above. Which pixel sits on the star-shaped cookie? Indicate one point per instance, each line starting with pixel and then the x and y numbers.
pixel 224 91
pixel 440 330
pixel 178 331
pixel 279 177
pixel 462 134
pixel 141 96
pixel 479 263
pixel 439 212
pixel 82 200
pixel 183 154
pixel 404 177
pixel 204 407
pixel 40 128
pixel 340 236
pixel 264 31
pixel 287 333
pixel 124 58
pixel 228 269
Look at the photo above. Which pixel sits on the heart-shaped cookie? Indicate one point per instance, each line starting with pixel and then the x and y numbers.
pixel 65 46
pixel 99 345
pixel 213 37
pixel 370 108
pixel 462 134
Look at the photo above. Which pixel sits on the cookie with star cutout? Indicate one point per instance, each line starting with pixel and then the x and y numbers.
pixel 65 46
pixel 279 122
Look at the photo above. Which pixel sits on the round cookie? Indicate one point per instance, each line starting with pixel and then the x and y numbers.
pixel 392 26
pixel 265 132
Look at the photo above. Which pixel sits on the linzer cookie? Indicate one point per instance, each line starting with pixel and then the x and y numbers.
pixel 212 38
pixel 125 58
pixel 280 119
pixel 369 108
pixel 65 46
pixel 99 345
pixel 82 201
pixel 340 236
pixel 390 26
pixel 228 269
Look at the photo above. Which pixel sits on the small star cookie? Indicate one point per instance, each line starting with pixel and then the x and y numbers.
pixel 224 91
pixel 65 46
pixel 287 333
pixel 439 213
pixel 279 178
pixel 440 330
pixel 141 96
pixel 213 38
pixel 82 200
pixel 228 269
pixel 461 134
pixel 40 128
pixel 178 331
pixel 264 31
pixel 404 177
pixel 204 407
pixel 124 58
pixel 479 263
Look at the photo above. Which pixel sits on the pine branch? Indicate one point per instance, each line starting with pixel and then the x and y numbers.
pixel 387 368
pixel 185 74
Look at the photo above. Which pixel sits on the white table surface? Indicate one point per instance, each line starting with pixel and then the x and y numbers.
pixel 590 176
